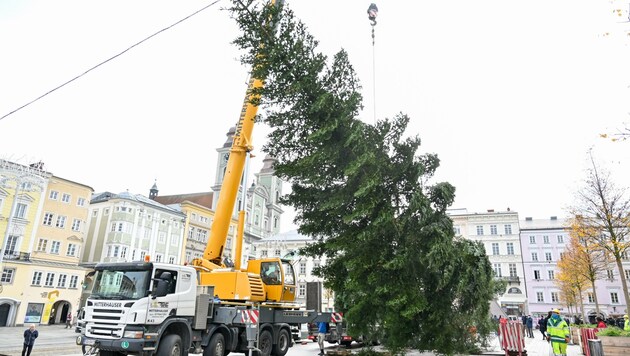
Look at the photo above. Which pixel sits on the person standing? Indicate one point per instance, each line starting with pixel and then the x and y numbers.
pixel 558 333
pixel 524 324
pixel 542 325
pixel 69 321
pixel 30 335
pixel 626 323
pixel 530 326
pixel 322 329
pixel 600 323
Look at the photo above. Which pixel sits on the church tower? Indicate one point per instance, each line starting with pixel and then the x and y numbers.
pixel 154 191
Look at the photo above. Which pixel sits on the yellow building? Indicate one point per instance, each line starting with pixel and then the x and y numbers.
pixel 42 221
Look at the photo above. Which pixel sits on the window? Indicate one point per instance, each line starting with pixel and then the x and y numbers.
pixel 65 198
pixel 48 219
pixel 61 283
pixel 534 256
pixel 610 273
pixel 76 225
pixel 316 263
pixel 73 281
pixel 20 211
pixel 508 229
pixel 41 245
pixel 510 248
pixel 302 290
pixel 545 239
pixel 497 269
pixel 263 252
pixel 54 247
pixel 551 274
pixel 514 290
pixel 532 240
pixel 61 222
pixel 123 252
pixel 162 237
pixel 37 279
pixel 174 240
pixel 457 230
pixel 561 255
pixel 53 195
pixel 495 248
pixel 479 230
pixel 81 201
pixel 117 251
pixel 50 279
pixel 7 275
pixel 547 256
pixel 536 274
pixel 493 230
pixel 554 297
pixel 591 298
pixel 158 257
pixel 72 249
pixel 11 245
pixel 302 267
pixel 627 272
pixel 513 270
pixel 142 254
pixel 277 253
pixel 560 239
pixel 540 297
pixel 614 298
pixel 171 259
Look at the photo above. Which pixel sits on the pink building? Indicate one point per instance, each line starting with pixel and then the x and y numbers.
pixel 543 241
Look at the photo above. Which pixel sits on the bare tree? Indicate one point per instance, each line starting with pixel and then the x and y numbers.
pixel 604 210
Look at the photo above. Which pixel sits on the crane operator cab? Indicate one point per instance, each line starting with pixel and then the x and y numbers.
pixel 277 276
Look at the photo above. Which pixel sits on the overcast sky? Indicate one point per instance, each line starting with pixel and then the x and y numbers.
pixel 511 95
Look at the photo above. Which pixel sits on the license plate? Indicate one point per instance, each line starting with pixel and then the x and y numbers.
pixel 89 342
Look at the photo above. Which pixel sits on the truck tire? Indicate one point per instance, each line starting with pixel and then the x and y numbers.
pixel 171 345
pixel 265 343
pixel 346 343
pixel 284 342
pixel 216 347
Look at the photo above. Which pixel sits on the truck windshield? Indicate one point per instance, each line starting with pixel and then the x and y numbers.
pixel 121 284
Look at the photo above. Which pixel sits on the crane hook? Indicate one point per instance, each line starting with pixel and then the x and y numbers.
pixel 372 12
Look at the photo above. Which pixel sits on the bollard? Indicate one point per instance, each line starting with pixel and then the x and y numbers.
pixel 595 347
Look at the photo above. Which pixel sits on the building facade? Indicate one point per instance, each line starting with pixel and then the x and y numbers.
pixel 499 233
pixel 43 224
pixel 544 241
pixel 128 227
pixel 286 245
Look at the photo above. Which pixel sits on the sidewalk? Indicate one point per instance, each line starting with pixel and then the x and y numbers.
pixel 53 340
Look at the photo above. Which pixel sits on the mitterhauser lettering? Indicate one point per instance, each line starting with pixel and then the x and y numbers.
pixel 108 304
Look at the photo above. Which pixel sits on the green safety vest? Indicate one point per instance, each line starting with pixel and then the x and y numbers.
pixel 558 330
pixel 626 325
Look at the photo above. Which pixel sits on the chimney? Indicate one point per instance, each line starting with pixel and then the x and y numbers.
pixel 491 210
pixel 554 218
pixel 529 218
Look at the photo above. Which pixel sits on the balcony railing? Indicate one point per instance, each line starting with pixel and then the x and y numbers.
pixel 15 255
pixel 510 279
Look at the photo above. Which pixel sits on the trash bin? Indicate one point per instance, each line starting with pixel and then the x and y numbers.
pixel 595 347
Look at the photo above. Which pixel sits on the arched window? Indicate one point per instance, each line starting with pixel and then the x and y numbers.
pixel 514 290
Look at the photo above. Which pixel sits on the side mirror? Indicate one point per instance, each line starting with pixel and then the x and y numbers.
pixel 161 289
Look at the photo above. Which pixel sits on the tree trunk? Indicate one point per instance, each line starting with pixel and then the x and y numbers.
pixel 624 283
pixel 581 301
pixel 595 296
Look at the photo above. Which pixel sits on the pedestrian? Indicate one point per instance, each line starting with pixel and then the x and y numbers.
pixel 542 325
pixel 69 321
pixel 558 333
pixel 524 324
pixel 30 335
pixel 322 329
pixel 626 323
pixel 530 325
pixel 600 323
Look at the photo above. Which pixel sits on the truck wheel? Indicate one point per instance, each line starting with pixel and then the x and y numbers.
pixel 284 341
pixel 346 343
pixel 216 347
pixel 265 343
pixel 171 345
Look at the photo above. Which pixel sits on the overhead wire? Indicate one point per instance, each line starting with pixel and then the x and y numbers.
pixel 109 59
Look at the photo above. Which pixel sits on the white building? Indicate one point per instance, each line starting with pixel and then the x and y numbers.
pixel 499 233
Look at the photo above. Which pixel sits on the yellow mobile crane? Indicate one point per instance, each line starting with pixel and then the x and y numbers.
pixel 264 280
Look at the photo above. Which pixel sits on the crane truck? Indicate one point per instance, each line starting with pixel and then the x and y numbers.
pixel 147 308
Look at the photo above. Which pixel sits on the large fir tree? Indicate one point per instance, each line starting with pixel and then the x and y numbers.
pixel 363 193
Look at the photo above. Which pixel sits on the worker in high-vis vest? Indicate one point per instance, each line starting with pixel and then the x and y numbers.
pixel 626 323
pixel 558 333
